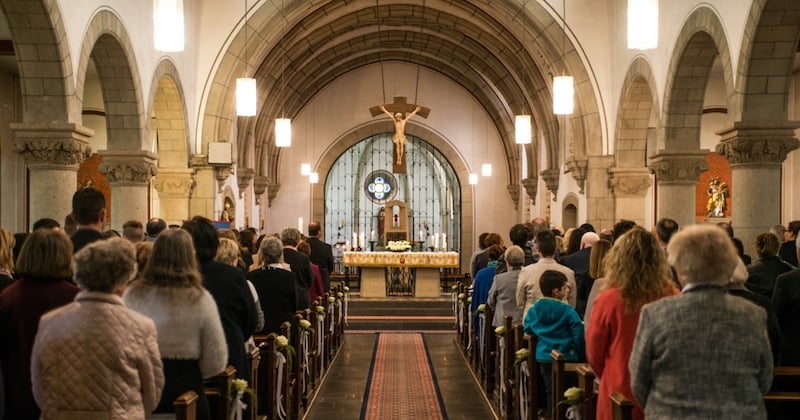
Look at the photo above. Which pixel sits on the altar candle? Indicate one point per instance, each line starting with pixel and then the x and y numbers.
pixel 361 241
pixel 372 235
pixel 347 246
pixel 355 239
pixel 300 224
pixel 421 236
pixel 444 242
pixel 435 241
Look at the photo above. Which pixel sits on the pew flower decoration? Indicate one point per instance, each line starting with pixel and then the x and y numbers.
pixel 521 355
pixel 339 295
pixel 346 289
pixel 469 299
pixel 454 287
pixel 573 397
pixel 305 325
pixel 462 296
pixel 331 299
pixel 236 390
pixel 481 308
pixel 501 330
pixel 321 309
pixel 282 342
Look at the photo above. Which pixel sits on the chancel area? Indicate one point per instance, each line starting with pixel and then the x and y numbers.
pixel 411 145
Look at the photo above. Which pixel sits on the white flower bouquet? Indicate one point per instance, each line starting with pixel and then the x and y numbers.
pixel 398 246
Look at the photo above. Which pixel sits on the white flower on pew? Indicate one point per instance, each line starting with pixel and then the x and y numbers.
pixel 281 341
pixel 469 299
pixel 321 309
pixel 521 355
pixel 501 330
pixel 238 387
pixel 331 299
pixel 305 325
pixel 346 289
pixel 454 287
pixel 462 296
pixel 481 308
pixel 573 397
pixel 339 295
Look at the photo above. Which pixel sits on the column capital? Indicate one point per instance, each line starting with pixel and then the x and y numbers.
pixel 243 178
pixel 272 191
pixel 260 184
pixel 55 145
pixel 531 186
pixel 629 182
pixel 754 143
pixel 128 167
pixel 513 191
pixel 174 182
pixel 578 168
pixel 550 177
pixel 678 167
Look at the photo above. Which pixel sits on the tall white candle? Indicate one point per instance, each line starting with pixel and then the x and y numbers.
pixel 435 241
pixel 347 246
pixel 444 245
pixel 372 235
pixel 361 241
pixel 355 239
pixel 300 224
pixel 421 235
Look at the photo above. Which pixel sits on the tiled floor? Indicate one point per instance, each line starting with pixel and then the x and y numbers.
pixel 342 394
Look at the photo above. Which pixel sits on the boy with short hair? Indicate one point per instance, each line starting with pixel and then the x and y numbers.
pixel 556 324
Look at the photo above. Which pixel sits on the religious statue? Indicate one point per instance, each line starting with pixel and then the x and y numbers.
pixel 227 214
pixel 399 138
pixel 381 220
pixel 717 197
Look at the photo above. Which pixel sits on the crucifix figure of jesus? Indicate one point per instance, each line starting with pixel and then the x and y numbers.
pixel 397 111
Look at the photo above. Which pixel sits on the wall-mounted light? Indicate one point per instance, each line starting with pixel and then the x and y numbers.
pixel 305 169
pixel 473 179
pixel 486 169
pixel 313 178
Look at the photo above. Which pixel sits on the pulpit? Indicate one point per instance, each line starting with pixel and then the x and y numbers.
pixel 396 223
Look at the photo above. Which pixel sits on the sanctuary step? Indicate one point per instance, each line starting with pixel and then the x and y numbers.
pixel 400 314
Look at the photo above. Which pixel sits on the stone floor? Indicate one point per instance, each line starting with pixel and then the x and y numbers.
pixel 342 393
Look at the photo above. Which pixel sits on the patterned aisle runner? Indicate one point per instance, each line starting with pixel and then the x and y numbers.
pixel 401 383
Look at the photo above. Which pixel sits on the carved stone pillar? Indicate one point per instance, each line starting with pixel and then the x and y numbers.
pixel 53 154
pixel 676 176
pixel 550 177
pixel 204 195
pixel 599 201
pixel 531 186
pixel 174 188
pixel 129 173
pixel 629 187
pixel 755 153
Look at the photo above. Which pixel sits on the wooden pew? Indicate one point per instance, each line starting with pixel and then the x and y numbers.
pixel 489 351
pixel 266 378
pixel 564 375
pixel 505 364
pixel 291 389
pixel 586 382
pixel 251 412
pixel 783 399
pixel 621 407
pixel 521 403
pixel 216 389
pixel 185 408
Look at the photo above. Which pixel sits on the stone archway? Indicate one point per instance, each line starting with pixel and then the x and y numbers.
pixel 341 144
pixel 127 164
pixel 679 160
pixel 175 180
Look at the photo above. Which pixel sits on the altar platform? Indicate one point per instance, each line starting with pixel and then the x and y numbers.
pixel 400 273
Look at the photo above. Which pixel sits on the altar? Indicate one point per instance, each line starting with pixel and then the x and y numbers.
pixel 404 273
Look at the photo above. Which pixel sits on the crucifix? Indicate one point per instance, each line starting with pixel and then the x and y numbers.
pixel 397 110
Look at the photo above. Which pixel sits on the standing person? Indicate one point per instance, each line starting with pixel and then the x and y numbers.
pixel 317 289
pixel 788 251
pixel 6 258
pixel 636 273
pixel 703 354
pixel 44 283
pixel 89 212
pixel 528 290
pixel 321 254
pixel 275 285
pixel 520 236
pixel 484 280
pixel 473 260
pixel 95 356
pixel 595 279
pixel 786 301
pixel 502 295
pixel 133 231
pixel 190 337
pixel 300 265
pixel 767 267
pixel 154 227
pixel 228 286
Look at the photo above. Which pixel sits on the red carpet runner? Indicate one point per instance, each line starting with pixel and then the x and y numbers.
pixel 401 382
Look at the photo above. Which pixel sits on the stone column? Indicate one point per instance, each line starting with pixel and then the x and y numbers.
pixel 204 196
pixel 677 172
pixel 129 173
pixel 599 203
pixel 755 153
pixel 174 186
pixel 52 154
pixel 629 188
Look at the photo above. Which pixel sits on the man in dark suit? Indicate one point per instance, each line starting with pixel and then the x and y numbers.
pixel 89 213
pixel 228 285
pixel 785 300
pixel 321 253
pixel 300 265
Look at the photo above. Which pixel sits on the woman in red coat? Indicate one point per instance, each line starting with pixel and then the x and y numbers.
pixel 636 273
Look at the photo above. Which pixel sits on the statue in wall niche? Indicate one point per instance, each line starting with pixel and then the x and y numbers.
pixel 227 212
pixel 399 138
pixel 717 197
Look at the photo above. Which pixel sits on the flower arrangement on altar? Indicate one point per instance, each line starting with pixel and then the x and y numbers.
pixel 398 246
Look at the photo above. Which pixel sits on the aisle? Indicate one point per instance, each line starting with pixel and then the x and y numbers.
pixel 342 394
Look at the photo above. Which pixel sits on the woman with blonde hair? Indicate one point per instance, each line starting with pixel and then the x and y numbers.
pixel 228 253
pixel 6 258
pixel 636 273
pixel 596 273
pixel 190 336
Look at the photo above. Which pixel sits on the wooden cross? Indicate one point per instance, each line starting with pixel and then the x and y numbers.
pixel 400 105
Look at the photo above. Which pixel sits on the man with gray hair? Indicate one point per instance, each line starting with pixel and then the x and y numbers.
pixel 503 293
pixel 300 265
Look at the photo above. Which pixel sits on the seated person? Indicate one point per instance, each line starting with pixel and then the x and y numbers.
pixel 557 325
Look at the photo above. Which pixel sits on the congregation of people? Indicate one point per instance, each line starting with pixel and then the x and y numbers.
pixel 99 324
pixel 677 320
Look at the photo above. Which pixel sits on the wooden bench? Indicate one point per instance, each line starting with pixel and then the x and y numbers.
pixel 564 375
pixel 621 407
pixel 216 390
pixel 783 399
pixel 489 346
pixel 504 357
pixel 587 382
pixel 185 408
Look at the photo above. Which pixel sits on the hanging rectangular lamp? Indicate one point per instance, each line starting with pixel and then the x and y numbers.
pixel 522 129
pixel 168 25
pixel 642 24
pixel 305 169
pixel 245 97
pixel 563 95
pixel 473 179
pixel 486 169
pixel 283 132
pixel 313 178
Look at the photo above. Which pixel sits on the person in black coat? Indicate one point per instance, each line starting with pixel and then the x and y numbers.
pixel 275 285
pixel 788 250
pixel 228 286
pixel 300 265
pixel 786 301
pixel 321 254
pixel 763 272
pixel 89 212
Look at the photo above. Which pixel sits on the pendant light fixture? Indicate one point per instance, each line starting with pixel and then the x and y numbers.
pixel 168 25
pixel 563 86
pixel 283 125
pixel 246 97
pixel 642 24
pixel 522 123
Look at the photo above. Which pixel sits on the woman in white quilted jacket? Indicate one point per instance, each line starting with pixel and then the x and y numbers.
pixel 95 358
pixel 190 336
